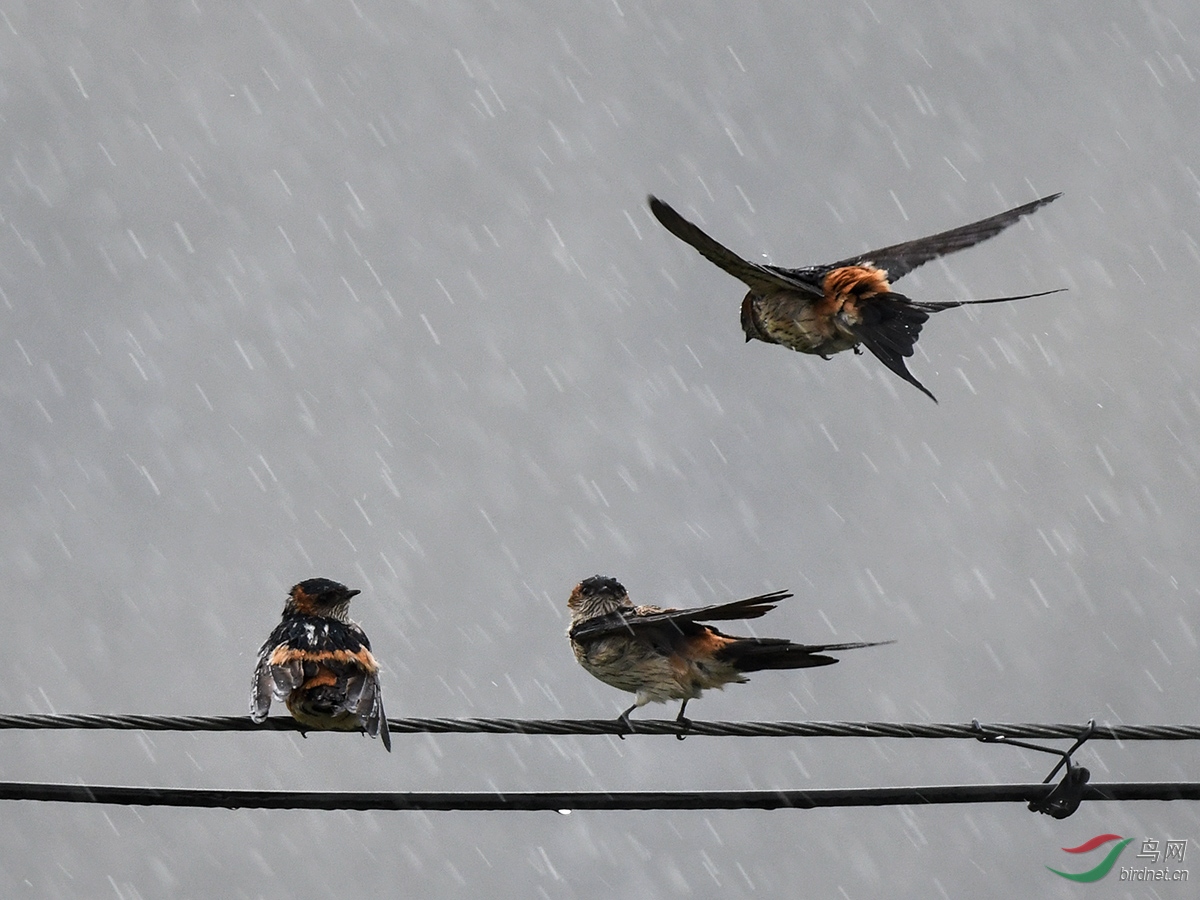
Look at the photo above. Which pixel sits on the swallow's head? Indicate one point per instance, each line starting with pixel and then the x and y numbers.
pixel 320 597
pixel 596 596
pixel 750 321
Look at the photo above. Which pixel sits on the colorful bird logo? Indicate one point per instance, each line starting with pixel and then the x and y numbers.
pixel 1105 865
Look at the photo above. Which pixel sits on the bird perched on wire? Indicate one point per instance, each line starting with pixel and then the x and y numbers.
pixel 668 654
pixel 320 664
pixel 827 309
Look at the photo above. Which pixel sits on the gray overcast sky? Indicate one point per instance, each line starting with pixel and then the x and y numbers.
pixel 369 290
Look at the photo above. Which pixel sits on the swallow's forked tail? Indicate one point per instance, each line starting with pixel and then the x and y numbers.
pixel 891 323
pixel 756 654
pixel 951 304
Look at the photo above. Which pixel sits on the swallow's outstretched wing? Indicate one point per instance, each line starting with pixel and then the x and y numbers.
pixel 763 279
pixel 642 618
pixel 900 259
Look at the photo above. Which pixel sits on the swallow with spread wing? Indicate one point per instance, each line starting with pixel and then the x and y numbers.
pixel 668 654
pixel 827 309
pixel 320 664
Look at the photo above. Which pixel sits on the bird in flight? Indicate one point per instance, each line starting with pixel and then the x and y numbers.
pixel 320 664
pixel 669 654
pixel 835 307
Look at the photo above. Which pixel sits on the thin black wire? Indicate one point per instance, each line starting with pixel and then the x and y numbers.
pixel 563 801
pixel 610 726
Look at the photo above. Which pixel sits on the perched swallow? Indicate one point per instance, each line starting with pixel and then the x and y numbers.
pixel 827 309
pixel 320 664
pixel 667 654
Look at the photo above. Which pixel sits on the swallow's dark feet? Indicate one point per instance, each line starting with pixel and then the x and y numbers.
pixel 684 723
pixel 625 723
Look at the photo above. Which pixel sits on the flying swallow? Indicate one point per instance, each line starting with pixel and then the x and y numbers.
pixel 836 307
pixel 320 664
pixel 668 654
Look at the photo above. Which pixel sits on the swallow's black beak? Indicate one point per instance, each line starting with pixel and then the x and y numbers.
pixel 350 594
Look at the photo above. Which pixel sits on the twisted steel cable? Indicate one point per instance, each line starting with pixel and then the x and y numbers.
pixel 927 730
pixel 564 801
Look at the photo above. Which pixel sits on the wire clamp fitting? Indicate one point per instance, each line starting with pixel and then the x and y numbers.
pixel 1068 794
